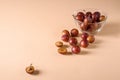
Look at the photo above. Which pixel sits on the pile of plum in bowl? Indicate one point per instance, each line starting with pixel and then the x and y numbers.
pixel 90 21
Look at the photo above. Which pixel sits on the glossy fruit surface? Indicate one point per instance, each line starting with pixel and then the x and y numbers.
pixel 65 38
pixel 88 14
pixel 65 32
pixel 96 16
pixel 80 16
pixel 84 35
pixel 75 49
pixel 90 38
pixel 73 41
pixel 87 20
pixel 74 32
pixel 83 27
pixel 84 43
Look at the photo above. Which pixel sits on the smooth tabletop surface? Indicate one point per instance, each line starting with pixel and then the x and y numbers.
pixel 30 28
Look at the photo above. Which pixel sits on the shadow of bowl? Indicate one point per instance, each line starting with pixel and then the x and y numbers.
pixel 110 29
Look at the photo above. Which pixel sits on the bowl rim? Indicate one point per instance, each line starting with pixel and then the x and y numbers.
pixel 89 9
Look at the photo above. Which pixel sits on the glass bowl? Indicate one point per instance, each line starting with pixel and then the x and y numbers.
pixel 93 27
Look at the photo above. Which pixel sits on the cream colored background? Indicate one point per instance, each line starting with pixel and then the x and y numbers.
pixel 29 29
